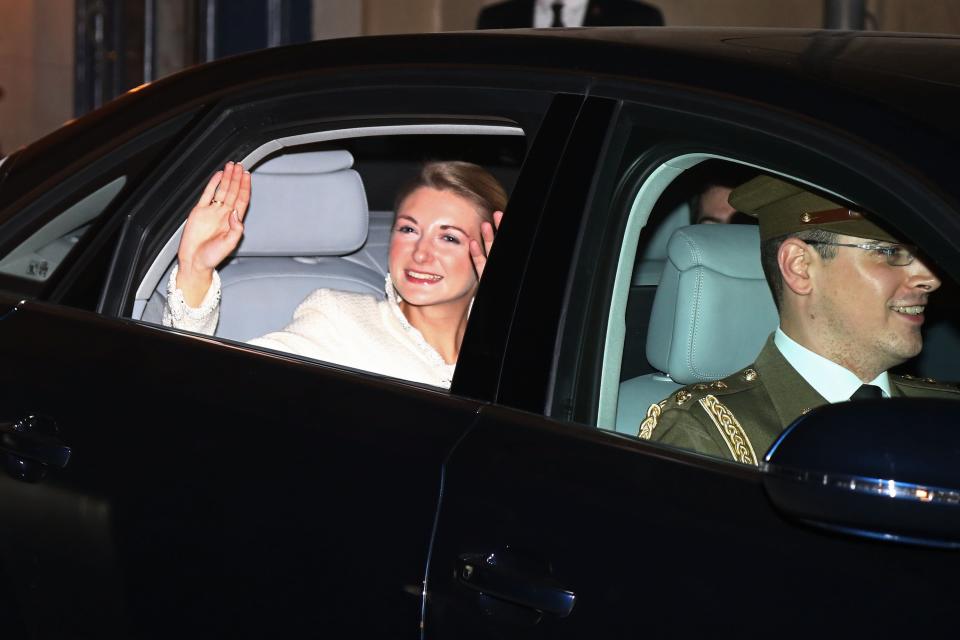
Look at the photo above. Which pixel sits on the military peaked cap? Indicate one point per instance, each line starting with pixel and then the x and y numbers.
pixel 783 208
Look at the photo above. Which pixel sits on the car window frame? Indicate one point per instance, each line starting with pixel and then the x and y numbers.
pixel 239 123
pixel 755 136
pixel 244 122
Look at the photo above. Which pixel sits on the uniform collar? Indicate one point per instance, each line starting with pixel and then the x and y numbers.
pixel 832 381
pixel 789 393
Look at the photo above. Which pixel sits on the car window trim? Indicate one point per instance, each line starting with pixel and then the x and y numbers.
pixel 288 142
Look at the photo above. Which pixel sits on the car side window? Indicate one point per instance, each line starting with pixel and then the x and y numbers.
pixel 64 234
pixel 317 232
pixel 687 325
pixel 40 254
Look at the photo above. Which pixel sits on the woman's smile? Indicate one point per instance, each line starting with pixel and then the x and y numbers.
pixel 418 277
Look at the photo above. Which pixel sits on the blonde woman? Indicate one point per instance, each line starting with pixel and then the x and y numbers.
pixel 442 232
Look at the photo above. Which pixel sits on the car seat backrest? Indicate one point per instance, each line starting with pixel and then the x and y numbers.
pixel 711 315
pixel 651 257
pixel 308 211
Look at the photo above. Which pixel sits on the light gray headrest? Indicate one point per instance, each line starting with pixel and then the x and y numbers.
pixel 650 263
pixel 305 204
pixel 713 309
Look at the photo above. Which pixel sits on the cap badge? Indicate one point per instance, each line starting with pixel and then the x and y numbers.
pixel 830 215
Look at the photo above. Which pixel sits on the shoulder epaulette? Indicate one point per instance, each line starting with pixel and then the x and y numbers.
pixel 693 393
pixel 705 395
pixel 732 432
pixel 924 383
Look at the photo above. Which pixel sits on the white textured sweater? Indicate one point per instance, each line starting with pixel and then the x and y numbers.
pixel 341 327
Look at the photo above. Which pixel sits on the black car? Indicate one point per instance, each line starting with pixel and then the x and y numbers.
pixel 163 484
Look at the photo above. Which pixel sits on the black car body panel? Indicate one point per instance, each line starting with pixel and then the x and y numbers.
pixel 664 547
pixel 213 489
pixel 238 505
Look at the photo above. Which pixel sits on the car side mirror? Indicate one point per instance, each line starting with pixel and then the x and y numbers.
pixel 885 469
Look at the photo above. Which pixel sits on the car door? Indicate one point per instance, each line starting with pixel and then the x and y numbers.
pixel 204 487
pixel 213 488
pixel 160 484
pixel 551 527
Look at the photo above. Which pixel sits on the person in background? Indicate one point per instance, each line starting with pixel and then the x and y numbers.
pixel 513 14
pixel 711 204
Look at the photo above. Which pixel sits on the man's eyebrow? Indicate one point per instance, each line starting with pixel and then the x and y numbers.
pixel 444 227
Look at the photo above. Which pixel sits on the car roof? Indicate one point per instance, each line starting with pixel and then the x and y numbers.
pixel 901 70
pixel 904 71
pixel 835 77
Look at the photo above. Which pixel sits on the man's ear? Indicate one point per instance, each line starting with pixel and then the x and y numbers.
pixel 795 258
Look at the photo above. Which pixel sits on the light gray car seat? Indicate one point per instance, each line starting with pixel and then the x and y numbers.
pixel 711 315
pixel 307 212
pixel 306 228
pixel 653 255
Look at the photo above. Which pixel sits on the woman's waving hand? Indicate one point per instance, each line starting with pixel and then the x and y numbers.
pixel 213 230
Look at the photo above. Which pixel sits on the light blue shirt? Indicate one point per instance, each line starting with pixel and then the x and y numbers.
pixel 833 382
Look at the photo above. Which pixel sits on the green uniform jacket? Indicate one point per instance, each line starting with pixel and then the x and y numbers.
pixel 740 416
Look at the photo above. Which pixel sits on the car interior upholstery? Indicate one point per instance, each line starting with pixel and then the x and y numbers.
pixel 651 258
pixel 308 212
pixel 702 326
pixel 652 255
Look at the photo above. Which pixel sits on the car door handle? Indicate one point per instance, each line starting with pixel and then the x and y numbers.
pixel 34 438
pixel 504 575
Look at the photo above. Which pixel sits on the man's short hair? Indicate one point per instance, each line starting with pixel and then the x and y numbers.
pixel 771 267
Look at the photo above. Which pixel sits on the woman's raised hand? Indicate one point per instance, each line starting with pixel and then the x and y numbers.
pixel 480 253
pixel 213 230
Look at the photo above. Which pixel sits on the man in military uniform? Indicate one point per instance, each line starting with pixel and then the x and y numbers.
pixel 850 298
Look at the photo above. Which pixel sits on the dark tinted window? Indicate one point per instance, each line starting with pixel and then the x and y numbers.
pixel 65 207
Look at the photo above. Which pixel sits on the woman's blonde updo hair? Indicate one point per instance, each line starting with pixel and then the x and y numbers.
pixel 467 180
